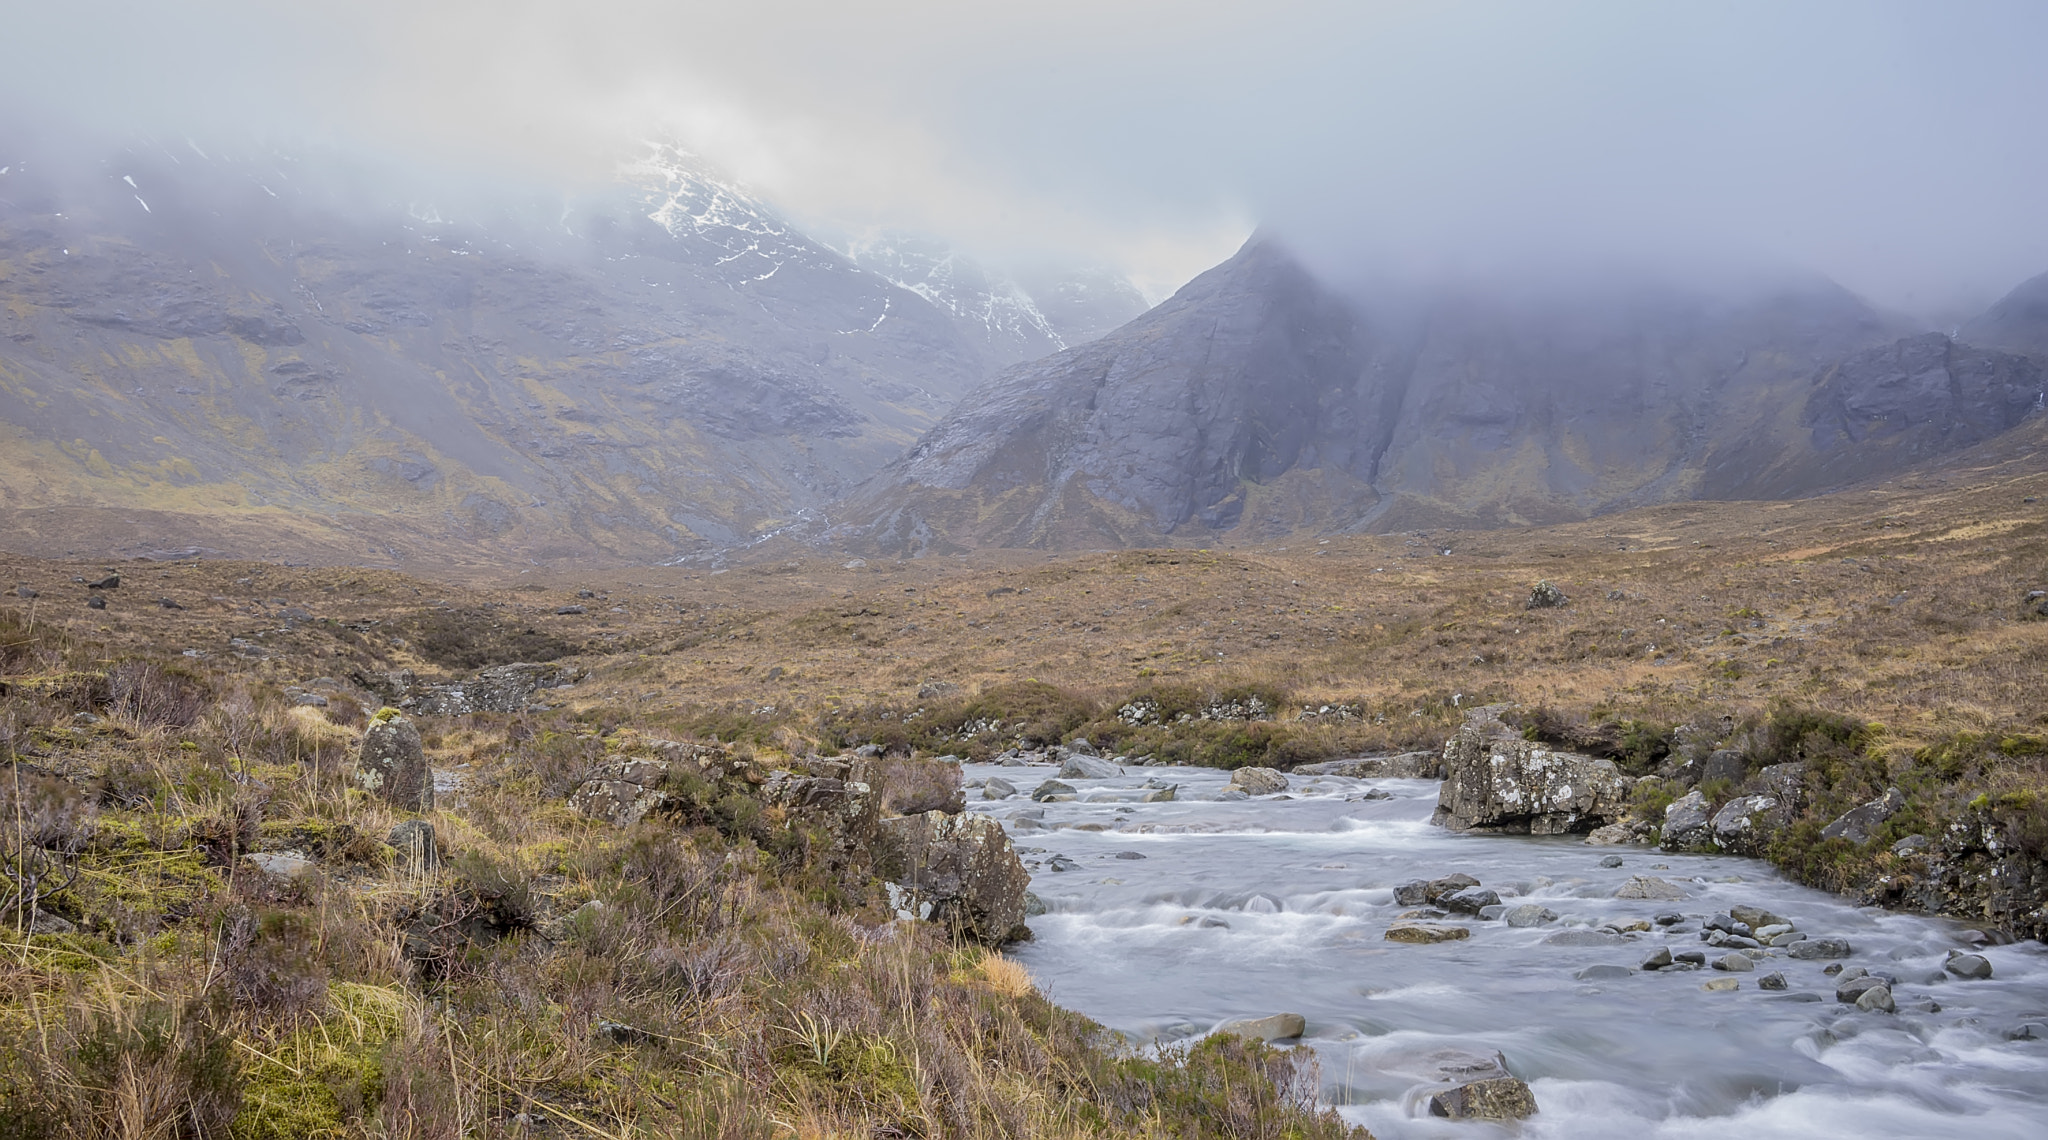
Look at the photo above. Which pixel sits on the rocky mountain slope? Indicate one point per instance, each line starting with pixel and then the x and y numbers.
pixel 1260 402
pixel 195 348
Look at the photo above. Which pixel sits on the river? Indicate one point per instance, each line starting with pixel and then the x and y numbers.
pixel 1275 904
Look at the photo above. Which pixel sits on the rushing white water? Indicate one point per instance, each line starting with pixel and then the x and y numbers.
pixel 1279 904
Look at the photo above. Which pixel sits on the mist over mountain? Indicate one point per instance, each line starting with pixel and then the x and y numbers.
pixel 660 368
pixel 1259 402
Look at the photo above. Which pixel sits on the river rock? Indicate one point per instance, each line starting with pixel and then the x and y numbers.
pixel 1496 781
pixel 1690 958
pixel 1051 788
pixel 391 764
pixel 1161 795
pixel 1610 835
pixel 997 788
pixel 1735 963
pixel 1258 781
pixel 1658 959
pixel 1649 887
pixel 1084 767
pixel 1401 766
pixel 1419 891
pixel 1471 900
pixel 1603 973
pixel 1276 1027
pixel 1820 948
pixel 1686 821
pixel 1970 966
pixel 1722 984
pixel 1851 989
pixel 1584 938
pixel 1857 824
pixel 1420 933
pixel 1775 980
pixel 1501 1098
pixel 1876 999
pixel 1611 862
pixel 1529 914
pixel 1746 824
pixel 961 866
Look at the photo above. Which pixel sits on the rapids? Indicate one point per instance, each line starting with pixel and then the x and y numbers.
pixel 1261 906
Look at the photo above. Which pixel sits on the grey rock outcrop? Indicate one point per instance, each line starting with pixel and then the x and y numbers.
pixel 622 792
pixel 1496 781
pixel 1745 825
pixel 1686 821
pixel 501 688
pixel 1858 823
pixel 956 870
pixel 391 764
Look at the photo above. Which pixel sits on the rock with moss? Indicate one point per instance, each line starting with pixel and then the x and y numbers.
pixel 1746 825
pixel 956 870
pixel 391 764
pixel 1497 781
pixel 1498 1098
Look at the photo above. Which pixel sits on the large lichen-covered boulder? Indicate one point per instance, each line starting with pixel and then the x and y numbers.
pixel 392 765
pixel 1496 781
pixel 622 792
pixel 956 870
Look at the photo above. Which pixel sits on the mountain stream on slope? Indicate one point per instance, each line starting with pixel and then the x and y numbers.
pixel 1268 905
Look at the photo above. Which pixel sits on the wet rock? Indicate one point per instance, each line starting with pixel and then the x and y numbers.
pixel 1033 905
pixel 956 870
pixel 1231 795
pixel 1161 795
pixel 1686 821
pixel 1658 959
pixel 414 840
pixel 1611 862
pixel 1613 833
pixel 1649 887
pixel 1492 913
pixel 1469 901
pixel 1400 766
pixel 1857 824
pixel 1668 918
pixel 1258 781
pixel 1722 984
pixel 1968 966
pixel 1084 767
pixel 1775 980
pixel 997 788
pixel 1603 973
pixel 1276 1027
pixel 1877 999
pixel 1689 958
pixel 1820 948
pixel 1129 855
pixel 391 765
pixel 1420 933
pixel 1735 963
pixel 1584 938
pixel 1420 891
pixel 1496 781
pixel 1765 931
pixel 1787 938
pixel 1853 988
pixel 1051 788
pixel 1529 914
pixel 1501 1098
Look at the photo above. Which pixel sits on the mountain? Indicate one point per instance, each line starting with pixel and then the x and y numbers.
pixel 210 347
pixel 1259 402
pixel 2017 323
pixel 1014 318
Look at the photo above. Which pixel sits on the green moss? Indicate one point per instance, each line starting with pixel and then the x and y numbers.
pixel 73 952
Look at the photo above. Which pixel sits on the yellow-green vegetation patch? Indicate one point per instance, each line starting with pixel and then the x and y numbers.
pixel 317 1081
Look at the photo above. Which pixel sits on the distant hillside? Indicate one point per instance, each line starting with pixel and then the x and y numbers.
pixel 1259 402
pixel 196 350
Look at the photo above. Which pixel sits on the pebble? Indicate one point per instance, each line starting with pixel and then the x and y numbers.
pixel 1658 959
pixel 1775 980
pixel 1611 861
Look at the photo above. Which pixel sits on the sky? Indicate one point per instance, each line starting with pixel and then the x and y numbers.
pixel 1900 148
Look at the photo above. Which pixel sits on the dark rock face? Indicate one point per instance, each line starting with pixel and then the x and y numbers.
pixel 956 870
pixel 391 764
pixel 1259 401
